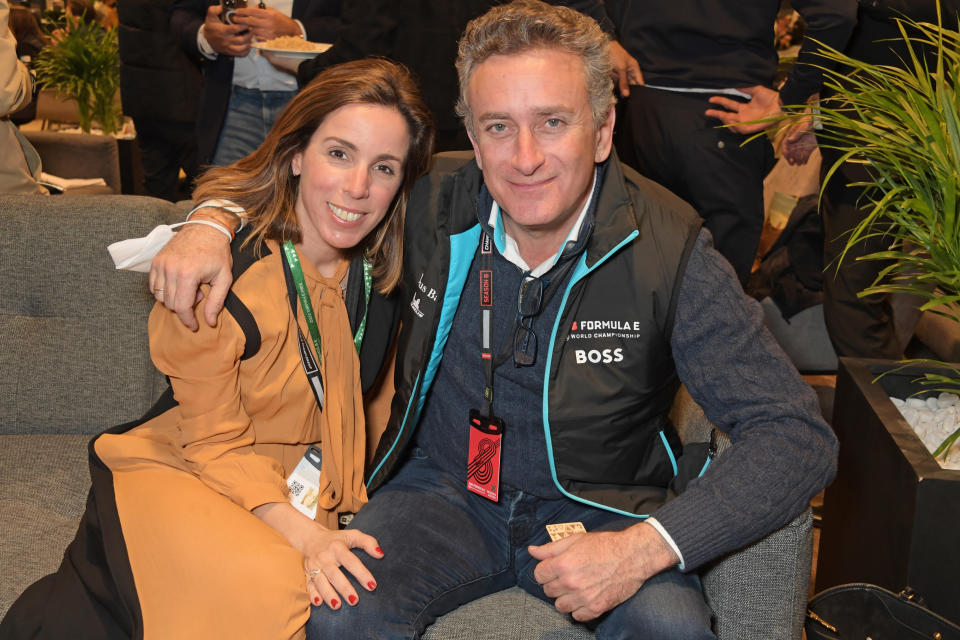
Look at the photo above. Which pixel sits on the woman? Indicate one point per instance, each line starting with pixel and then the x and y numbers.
pixel 191 531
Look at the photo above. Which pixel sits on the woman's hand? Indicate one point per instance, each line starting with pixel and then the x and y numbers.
pixel 325 553
pixel 329 551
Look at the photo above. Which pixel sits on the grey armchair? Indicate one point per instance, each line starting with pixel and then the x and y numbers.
pixel 79 155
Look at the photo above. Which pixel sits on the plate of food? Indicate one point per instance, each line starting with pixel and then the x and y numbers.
pixel 292 47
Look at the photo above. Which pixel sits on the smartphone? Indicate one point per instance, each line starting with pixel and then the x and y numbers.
pixel 228 7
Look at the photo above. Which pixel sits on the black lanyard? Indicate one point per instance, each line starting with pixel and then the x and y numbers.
pixel 297 287
pixel 491 363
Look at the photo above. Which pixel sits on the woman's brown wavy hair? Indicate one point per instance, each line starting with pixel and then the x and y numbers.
pixel 264 185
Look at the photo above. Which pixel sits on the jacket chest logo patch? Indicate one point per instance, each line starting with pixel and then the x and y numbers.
pixel 602 340
pixel 426 291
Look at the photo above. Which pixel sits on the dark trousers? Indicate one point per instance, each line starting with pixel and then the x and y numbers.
pixel 858 327
pixel 667 138
pixel 165 148
pixel 444 547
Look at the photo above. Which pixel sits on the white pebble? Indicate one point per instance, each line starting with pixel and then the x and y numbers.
pixel 933 420
pixel 945 399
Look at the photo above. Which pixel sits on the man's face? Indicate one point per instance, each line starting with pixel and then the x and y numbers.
pixel 535 137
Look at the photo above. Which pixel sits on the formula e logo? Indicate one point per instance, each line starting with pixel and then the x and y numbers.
pixel 596 356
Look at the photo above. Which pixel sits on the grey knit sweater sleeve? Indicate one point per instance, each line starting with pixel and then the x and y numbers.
pixel 783 452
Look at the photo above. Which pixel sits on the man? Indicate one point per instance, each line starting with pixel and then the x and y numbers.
pixel 553 299
pixel 243 92
pixel 160 89
pixel 709 64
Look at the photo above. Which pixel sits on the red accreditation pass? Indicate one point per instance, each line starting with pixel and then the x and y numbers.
pixel 483 456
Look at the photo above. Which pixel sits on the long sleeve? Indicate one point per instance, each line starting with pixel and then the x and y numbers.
pixel 783 453
pixel 216 435
pixel 16 85
pixel 829 22
pixel 186 17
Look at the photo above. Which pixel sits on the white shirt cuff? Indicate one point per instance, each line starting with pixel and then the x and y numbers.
pixel 666 536
pixel 205 49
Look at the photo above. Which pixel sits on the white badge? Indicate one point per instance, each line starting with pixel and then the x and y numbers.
pixel 304 483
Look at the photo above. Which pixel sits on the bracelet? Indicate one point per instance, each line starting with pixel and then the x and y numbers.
pixel 226 205
pixel 216 225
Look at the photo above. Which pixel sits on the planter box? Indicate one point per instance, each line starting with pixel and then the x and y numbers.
pixel 892 516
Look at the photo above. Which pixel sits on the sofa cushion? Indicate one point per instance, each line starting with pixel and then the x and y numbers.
pixel 42 495
pixel 506 615
pixel 73 333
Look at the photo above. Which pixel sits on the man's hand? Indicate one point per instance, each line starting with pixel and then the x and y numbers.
pixel 267 23
pixel 764 105
pixel 799 142
pixel 226 39
pixel 196 254
pixel 626 69
pixel 591 573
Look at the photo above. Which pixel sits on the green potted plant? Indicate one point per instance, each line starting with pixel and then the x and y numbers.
pixel 891 515
pixel 904 125
pixel 83 64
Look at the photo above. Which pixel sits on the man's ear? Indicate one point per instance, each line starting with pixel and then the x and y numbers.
pixel 476 149
pixel 605 136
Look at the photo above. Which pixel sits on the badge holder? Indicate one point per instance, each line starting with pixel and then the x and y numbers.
pixel 483 459
pixel 304 483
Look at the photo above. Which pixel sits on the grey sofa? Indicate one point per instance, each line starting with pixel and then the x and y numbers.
pixel 74 360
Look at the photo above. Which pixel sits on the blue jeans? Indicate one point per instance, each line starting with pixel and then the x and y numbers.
pixel 250 115
pixel 445 546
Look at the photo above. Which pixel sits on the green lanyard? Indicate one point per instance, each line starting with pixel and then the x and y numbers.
pixel 297 272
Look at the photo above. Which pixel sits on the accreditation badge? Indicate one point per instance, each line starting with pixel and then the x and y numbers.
pixel 304 483
pixel 483 455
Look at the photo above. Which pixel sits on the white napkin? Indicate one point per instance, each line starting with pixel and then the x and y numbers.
pixel 136 254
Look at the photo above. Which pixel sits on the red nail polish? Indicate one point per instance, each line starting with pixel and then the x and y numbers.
pixel 316 601
pixel 335 604
pixel 352 599
pixel 379 550
pixel 371 585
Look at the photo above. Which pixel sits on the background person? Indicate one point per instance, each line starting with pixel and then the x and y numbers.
pixel 190 515
pixel 243 93
pixel 19 163
pixel 708 64
pixel 160 89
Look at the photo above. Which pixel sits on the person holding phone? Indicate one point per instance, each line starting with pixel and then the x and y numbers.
pixel 218 515
pixel 244 93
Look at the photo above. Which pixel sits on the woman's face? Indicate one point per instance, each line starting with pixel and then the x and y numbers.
pixel 349 172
